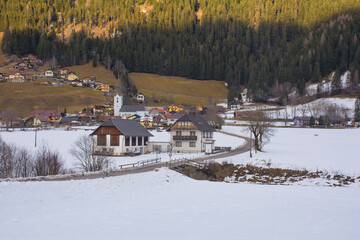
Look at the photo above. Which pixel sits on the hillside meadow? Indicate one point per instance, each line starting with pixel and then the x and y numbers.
pixel 25 97
pixel 179 90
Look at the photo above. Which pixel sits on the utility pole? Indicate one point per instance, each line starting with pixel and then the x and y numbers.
pixel 250 145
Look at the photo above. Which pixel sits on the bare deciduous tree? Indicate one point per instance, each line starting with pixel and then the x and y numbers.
pixel 258 125
pixel 6 160
pixel 47 162
pixel 83 151
pixel 23 163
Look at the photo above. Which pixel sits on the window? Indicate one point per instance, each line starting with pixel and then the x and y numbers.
pixel 207 134
pixel 127 141
pixel 146 139
pixel 101 140
pixel 114 140
pixel 192 144
pixel 178 133
pixel 140 141
pixel 133 141
pixel 178 144
pixel 192 133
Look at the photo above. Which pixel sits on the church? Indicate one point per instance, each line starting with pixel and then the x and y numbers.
pixel 125 111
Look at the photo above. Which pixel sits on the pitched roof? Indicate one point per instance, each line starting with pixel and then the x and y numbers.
pixel 198 121
pixel 69 119
pixel 43 115
pixel 127 127
pixel 132 108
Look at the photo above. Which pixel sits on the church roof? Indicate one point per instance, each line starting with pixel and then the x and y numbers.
pixel 132 108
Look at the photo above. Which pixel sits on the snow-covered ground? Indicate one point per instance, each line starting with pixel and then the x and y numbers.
pixel 62 141
pixel 332 150
pixel 167 205
pixel 315 108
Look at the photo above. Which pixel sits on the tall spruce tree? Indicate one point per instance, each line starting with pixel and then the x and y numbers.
pixel 357 109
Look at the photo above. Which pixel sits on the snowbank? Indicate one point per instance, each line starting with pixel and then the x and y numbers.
pixel 167 205
pixel 332 150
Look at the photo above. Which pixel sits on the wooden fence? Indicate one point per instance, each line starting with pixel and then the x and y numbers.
pixel 140 163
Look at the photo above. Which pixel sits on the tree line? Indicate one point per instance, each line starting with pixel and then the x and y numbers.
pixel 268 46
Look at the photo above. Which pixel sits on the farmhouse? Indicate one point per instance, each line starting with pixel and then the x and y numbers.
pixel 46 115
pixel 119 137
pixel 16 76
pixel 191 133
pixel 49 73
pixel 72 77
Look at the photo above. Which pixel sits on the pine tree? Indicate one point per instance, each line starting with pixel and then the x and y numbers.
pixel 336 84
pixel 357 110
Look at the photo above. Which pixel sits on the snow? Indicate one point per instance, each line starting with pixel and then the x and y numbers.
pixel 62 141
pixel 166 205
pixel 332 150
pixel 347 103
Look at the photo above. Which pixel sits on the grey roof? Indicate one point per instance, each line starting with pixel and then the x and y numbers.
pixel 69 119
pixel 130 108
pixel 198 121
pixel 127 127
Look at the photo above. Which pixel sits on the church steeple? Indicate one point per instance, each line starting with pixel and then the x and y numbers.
pixel 118 99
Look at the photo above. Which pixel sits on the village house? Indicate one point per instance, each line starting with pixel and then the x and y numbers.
pixel 235 105
pixel 16 76
pixel 191 133
pixel 49 73
pixel 118 137
pixel 70 121
pixel 63 73
pixel 147 121
pixel 104 88
pixel 76 83
pixel 23 66
pixel 172 118
pixel 71 77
pixel 140 97
pixel 301 121
pixel 46 115
pixel 175 108
pixel 89 80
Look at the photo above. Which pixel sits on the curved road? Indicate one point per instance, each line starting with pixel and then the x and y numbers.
pixel 241 149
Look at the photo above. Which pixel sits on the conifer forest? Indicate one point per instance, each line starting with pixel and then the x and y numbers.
pixel 267 46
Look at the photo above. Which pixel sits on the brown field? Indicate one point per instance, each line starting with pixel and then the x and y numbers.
pixel 101 73
pixel 179 90
pixel 25 97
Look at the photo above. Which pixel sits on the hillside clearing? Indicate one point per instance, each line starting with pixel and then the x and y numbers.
pixel 178 89
pixel 102 74
pixel 25 97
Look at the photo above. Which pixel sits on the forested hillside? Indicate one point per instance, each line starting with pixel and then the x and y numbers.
pixel 268 46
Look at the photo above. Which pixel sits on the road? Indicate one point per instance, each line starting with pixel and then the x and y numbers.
pixel 241 149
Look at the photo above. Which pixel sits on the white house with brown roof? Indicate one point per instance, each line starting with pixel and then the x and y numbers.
pixel 191 133
pixel 118 137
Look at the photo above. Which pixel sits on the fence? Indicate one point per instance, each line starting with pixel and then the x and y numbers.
pixel 141 163
pixel 184 161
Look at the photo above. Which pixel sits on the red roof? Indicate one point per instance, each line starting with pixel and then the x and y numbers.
pixel 14 72
pixel 43 115
pixel 112 117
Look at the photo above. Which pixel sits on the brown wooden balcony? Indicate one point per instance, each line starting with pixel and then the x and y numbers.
pixel 184 138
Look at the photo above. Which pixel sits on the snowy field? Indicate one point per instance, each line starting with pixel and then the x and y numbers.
pixel 332 150
pixel 62 141
pixel 315 108
pixel 166 205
